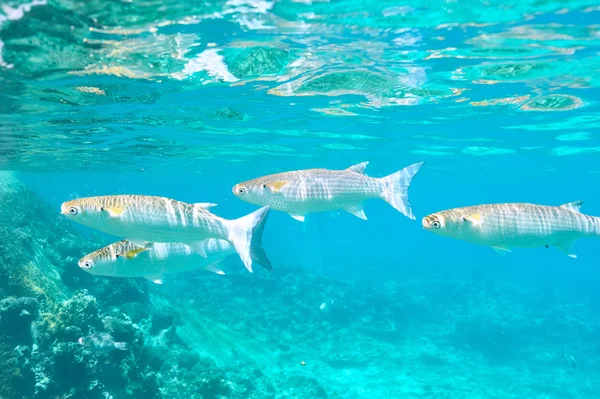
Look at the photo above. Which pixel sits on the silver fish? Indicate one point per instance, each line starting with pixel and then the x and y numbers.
pixel 153 261
pixel 141 219
pixel 518 225
pixel 316 190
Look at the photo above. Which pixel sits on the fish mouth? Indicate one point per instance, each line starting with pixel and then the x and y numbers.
pixel 63 208
pixel 428 221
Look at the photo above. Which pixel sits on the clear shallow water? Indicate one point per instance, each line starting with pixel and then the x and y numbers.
pixel 500 99
pixel 289 83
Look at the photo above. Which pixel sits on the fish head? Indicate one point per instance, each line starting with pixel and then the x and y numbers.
pixel 86 211
pixel 438 223
pixel 264 191
pixel 104 262
pixel 250 191
pixel 449 223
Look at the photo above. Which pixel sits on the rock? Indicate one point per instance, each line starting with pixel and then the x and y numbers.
pixel 301 386
pixel 161 320
pixel 16 316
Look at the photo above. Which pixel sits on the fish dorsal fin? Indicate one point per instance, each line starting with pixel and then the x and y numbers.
pixel 205 205
pixel 359 168
pixel 276 186
pixel 573 206
pixel 139 243
pixel 474 219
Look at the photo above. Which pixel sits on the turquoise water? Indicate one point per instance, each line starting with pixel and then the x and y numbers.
pixel 184 100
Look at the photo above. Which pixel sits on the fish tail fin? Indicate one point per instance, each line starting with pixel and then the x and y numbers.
pixel 597 226
pixel 122 346
pixel 395 188
pixel 245 234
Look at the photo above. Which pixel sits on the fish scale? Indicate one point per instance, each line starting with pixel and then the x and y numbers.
pixel 144 213
pixel 504 226
pixel 330 188
pixel 531 220
pixel 316 190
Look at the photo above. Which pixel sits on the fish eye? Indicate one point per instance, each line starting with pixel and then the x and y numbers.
pixel 241 191
pixel 435 224
pixel 87 264
pixel 73 210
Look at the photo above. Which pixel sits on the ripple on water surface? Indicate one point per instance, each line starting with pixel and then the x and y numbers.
pixel 265 69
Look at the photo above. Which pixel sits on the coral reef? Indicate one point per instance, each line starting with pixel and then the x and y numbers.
pixel 47 304
pixel 288 334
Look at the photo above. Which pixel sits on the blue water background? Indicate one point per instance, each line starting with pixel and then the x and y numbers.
pixel 525 161
pixel 388 244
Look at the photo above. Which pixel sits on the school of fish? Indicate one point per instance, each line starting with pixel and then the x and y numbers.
pixel 163 236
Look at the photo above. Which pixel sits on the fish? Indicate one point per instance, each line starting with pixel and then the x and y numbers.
pixel 570 360
pixel 316 190
pixel 516 225
pixel 154 260
pixel 101 342
pixel 142 219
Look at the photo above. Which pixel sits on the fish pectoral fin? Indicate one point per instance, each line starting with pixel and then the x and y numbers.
pixel 298 217
pixel 134 252
pixel 357 210
pixel 359 168
pixel 474 219
pixel 276 186
pixel 198 247
pixel 501 250
pixel 115 211
pixel 155 278
pixel 573 206
pixel 567 248
pixel 215 268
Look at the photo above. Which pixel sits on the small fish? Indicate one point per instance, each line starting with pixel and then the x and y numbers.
pixel 518 225
pixel 153 261
pixel 141 219
pixel 101 342
pixel 316 190
pixel 570 361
